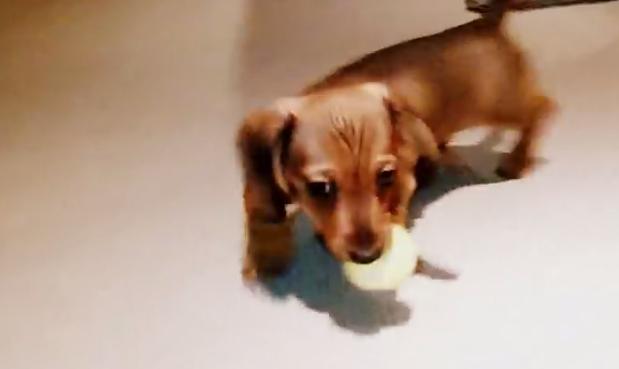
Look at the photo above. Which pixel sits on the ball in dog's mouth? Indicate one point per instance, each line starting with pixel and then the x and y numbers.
pixel 397 263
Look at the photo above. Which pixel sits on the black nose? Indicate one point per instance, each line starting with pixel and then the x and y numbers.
pixel 364 256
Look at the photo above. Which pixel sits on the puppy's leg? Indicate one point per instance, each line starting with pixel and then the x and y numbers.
pixel 434 271
pixel 269 233
pixel 521 159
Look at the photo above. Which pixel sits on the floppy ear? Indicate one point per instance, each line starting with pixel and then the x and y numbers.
pixel 410 127
pixel 411 131
pixel 263 142
pixel 413 144
pixel 420 134
pixel 420 144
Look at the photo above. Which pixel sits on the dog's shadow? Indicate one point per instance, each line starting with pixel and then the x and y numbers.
pixel 316 279
pixel 478 167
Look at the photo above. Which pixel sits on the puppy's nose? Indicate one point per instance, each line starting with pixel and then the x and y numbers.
pixel 364 256
pixel 363 245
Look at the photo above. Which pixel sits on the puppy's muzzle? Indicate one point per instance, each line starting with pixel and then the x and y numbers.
pixel 364 246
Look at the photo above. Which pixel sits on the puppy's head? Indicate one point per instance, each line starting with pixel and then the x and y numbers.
pixel 346 157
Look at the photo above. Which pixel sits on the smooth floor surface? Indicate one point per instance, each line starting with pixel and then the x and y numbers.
pixel 120 210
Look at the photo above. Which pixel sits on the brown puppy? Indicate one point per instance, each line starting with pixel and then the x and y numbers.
pixel 346 148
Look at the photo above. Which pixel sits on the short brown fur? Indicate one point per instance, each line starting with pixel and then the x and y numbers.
pixel 347 135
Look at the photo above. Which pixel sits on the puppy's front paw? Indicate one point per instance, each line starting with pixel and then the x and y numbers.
pixel 434 271
pixel 514 167
pixel 249 271
pixel 270 250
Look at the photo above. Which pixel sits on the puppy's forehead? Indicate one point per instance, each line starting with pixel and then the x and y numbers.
pixel 348 131
pixel 354 103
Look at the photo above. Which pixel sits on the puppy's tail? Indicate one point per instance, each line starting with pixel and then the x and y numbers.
pixel 494 10
pixel 491 10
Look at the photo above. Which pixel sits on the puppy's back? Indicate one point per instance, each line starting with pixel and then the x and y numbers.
pixel 458 76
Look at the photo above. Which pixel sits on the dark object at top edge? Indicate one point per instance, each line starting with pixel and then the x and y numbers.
pixel 483 6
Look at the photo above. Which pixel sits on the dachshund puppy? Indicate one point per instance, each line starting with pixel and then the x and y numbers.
pixel 346 148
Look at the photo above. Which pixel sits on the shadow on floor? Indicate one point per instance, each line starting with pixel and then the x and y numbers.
pixel 316 278
pixel 479 163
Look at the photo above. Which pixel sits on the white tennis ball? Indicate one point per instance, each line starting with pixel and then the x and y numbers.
pixel 397 263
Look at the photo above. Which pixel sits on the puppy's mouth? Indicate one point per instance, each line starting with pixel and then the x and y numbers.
pixel 361 257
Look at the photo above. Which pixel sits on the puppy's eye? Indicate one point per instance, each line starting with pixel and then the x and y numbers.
pixel 385 178
pixel 321 190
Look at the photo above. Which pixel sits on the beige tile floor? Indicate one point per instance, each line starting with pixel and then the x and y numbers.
pixel 120 222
